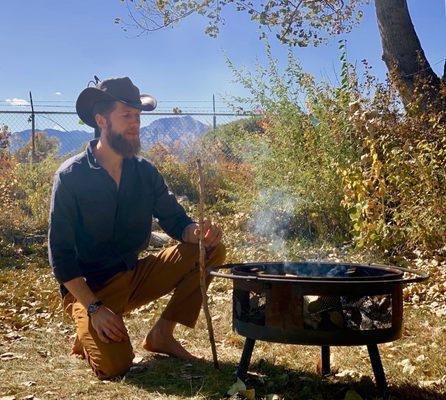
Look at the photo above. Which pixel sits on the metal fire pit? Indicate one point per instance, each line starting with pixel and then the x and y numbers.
pixel 318 303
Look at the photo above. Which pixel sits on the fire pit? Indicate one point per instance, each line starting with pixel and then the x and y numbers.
pixel 318 303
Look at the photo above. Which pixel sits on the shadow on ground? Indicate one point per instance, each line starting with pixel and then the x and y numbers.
pixel 166 376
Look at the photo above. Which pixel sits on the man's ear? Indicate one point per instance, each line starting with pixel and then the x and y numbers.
pixel 100 121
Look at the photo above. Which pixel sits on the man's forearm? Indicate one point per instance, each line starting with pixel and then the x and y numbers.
pixel 81 291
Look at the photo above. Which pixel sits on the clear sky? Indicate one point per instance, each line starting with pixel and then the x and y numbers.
pixel 54 47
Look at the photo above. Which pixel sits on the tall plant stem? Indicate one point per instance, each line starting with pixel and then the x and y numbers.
pixel 203 271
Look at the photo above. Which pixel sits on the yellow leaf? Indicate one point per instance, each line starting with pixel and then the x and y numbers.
pixel 249 394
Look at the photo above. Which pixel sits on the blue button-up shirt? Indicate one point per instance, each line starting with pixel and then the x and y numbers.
pixel 97 229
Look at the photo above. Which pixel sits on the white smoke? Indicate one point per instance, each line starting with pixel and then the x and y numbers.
pixel 273 214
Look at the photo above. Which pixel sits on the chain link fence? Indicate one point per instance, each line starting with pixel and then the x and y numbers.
pixel 66 132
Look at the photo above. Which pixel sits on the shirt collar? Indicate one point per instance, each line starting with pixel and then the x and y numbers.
pixel 92 162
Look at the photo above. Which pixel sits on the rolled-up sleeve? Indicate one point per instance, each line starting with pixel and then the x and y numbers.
pixel 61 234
pixel 170 214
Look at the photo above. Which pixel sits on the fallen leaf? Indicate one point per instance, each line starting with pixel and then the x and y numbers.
pixel 352 395
pixel 272 396
pixel 249 394
pixel 236 387
pixel 12 336
pixel 347 373
pixel 29 383
pixel 408 368
pixel 437 382
pixel 138 359
pixel 8 356
pixel 8 398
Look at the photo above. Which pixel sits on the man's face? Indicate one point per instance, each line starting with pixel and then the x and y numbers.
pixel 122 130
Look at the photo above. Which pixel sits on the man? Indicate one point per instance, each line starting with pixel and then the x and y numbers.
pixel 102 205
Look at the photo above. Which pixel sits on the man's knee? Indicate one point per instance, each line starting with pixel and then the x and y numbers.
pixel 113 365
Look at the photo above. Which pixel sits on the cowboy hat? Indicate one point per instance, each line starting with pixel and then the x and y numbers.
pixel 113 89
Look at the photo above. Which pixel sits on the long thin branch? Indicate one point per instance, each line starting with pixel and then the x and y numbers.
pixel 203 271
pixel 157 26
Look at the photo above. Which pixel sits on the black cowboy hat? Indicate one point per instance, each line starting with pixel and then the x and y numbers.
pixel 113 89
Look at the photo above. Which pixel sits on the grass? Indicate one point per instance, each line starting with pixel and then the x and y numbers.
pixel 36 337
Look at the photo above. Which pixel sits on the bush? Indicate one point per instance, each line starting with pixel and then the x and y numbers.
pixel 396 192
pixel 25 195
pixel 222 175
pixel 296 156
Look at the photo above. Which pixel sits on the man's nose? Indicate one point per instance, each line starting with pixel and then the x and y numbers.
pixel 136 121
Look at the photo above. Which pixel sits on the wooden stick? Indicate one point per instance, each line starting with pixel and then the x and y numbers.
pixel 203 265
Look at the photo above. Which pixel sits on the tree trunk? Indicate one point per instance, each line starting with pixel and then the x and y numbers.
pixel 402 51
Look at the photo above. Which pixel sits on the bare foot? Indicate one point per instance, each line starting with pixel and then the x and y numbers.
pixel 157 343
pixel 77 350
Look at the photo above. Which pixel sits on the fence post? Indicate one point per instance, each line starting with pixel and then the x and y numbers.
pixel 214 120
pixel 33 130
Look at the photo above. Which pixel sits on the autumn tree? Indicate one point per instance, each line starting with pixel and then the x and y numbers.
pixel 310 22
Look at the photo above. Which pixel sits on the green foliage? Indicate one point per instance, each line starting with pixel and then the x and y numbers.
pixel 396 192
pixel 25 194
pixel 296 154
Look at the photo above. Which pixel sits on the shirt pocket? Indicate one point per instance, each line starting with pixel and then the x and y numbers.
pixel 97 219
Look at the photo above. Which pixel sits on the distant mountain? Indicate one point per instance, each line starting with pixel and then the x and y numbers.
pixel 164 130
pixel 71 141
pixel 171 129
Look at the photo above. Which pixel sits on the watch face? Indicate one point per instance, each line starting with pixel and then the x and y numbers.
pixel 92 308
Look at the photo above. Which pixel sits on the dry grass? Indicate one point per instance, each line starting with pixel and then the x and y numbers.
pixel 38 336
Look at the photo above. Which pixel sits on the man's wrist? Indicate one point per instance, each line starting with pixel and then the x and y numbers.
pixel 93 308
pixel 188 235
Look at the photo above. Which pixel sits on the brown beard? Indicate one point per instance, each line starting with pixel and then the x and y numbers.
pixel 120 144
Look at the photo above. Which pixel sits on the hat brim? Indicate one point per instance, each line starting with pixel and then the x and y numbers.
pixel 91 95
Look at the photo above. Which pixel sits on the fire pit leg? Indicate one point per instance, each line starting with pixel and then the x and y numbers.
pixel 378 369
pixel 246 359
pixel 325 360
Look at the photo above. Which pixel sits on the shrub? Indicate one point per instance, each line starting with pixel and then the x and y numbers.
pixel 297 154
pixel 396 192
pixel 25 195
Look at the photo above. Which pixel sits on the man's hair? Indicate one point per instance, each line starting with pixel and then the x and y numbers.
pixel 103 108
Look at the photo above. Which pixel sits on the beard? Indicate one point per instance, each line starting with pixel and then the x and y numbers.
pixel 125 147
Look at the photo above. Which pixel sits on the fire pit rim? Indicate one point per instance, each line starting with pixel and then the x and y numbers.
pixel 323 280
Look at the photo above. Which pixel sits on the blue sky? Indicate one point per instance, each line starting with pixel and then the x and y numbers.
pixel 54 47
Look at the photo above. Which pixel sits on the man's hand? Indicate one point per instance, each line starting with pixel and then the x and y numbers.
pixel 212 234
pixel 109 326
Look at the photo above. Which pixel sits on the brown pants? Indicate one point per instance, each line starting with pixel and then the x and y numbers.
pixel 175 268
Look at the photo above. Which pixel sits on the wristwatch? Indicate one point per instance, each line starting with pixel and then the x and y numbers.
pixel 94 307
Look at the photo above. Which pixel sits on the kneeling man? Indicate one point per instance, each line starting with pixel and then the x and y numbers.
pixel 102 206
